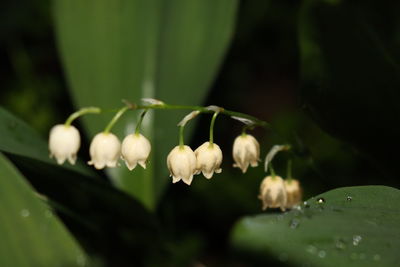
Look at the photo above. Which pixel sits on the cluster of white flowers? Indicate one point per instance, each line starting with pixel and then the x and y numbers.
pixel 183 163
pixel 105 148
pixel 278 193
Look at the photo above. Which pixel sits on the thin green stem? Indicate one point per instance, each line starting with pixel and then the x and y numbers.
pixel 139 124
pixel 212 128
pixel 81 112
pixel 271 168
pixel 181 137
pixel 256 122
pixel 115 119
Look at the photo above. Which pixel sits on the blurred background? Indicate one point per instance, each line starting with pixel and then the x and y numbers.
pixel 344 127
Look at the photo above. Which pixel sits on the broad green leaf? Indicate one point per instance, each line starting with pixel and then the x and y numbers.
pixel 30 234
pixel 19 138
pixel 350 226
pixel 122 49
pixel 96 213
pixel 350 72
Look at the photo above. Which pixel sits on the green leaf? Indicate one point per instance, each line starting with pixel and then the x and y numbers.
pixel 96 213
pixel 30 234
pixel 350 73
pixel 18 138
pixel 350 226
pixel 122 49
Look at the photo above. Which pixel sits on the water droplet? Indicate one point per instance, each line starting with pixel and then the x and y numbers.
pixel 283 257
pixel 340 244
pixel 25 213
pixel 320 200
pixel 306 205
pixel 294 223
pixel 322 254
pixel 80 260
pixel 356 240
pixel 377 257
pixel 297 207
pixel 349 198
pixel 48 214
pixel 311 249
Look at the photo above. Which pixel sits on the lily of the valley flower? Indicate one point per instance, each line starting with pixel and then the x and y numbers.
pixel 246 151
pixel 104 150
pixel 181 163
pixel 293 192
pixel 135 150
pixel 64 142
pixel 273 193
pixel 209 159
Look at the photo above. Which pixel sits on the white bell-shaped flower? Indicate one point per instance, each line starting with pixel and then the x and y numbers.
pixel 293 192
pixel 246 150
pixel 104 150
pixel 209 159
pixel 135 150
pixel 273 193
pixel 181 162
pixel 64 143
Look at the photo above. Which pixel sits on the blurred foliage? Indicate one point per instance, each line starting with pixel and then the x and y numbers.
pixel 31 234
pixel 335 59
pixel 350 72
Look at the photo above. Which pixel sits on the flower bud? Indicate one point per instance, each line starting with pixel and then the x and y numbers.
pixel 104 150
pixel 246 150
pixel 181 163
pixel 209 159
pixel 64 142
pixel 273 193
pixel 135 149
pixel 293 192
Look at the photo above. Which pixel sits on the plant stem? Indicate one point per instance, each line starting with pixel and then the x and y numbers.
pixel 181 140
pixel 115 119
pixel 81 112
pixel 257 122
pixel 140 121
pixel 212 128
pixel 272 170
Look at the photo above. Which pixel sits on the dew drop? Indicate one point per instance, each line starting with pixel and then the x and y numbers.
pixel 377 257
pixel 322 254
pixel 48 214
pixel 311 249
pixel 294 223
pixel 25 213
pixel 340 244
pixel 349 198
pixel 306 205
pixel 81 260
pixel 356 240
pixel 320 200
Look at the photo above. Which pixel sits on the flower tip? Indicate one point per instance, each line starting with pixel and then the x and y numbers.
pixel 143 164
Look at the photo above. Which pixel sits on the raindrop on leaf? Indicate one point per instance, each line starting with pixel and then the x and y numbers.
pixel 320 200
pixel 25 213
pixel 356 240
